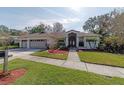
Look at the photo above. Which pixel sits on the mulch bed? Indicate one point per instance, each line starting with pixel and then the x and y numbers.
pixel 12 76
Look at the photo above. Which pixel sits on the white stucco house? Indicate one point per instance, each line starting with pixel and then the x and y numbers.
pixel 70 38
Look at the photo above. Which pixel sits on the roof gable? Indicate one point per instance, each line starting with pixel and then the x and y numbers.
pixel 73 31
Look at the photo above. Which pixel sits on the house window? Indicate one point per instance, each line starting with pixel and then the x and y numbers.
pixel 61 43
pixel 81 43
pixel 90 40
pixel 91 43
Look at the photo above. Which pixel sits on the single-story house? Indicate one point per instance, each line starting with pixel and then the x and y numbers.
pixel 70 38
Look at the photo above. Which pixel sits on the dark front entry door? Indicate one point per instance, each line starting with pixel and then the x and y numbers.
pixel 72 40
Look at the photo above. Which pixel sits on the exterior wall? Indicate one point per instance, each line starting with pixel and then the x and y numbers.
pixel 87 45
pixel 52 42
pixel 77 40
pixel 66 40
pixel 28 43
pixel 20 43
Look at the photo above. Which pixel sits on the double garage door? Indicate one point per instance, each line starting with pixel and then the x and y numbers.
pixel 35 43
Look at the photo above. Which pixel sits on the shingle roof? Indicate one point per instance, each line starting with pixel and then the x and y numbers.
pixel 50 34
pixel 55 34
pixel 83 33
pixel 88 34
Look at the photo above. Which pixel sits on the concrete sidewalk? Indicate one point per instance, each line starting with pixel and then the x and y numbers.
pixel 74 62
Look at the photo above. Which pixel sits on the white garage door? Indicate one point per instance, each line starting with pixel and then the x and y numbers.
pixel 24 44
pixel 38 44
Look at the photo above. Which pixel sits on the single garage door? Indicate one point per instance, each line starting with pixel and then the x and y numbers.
pixel 38 44
pixel 24 44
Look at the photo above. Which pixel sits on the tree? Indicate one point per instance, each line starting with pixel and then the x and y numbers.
pixel 4 28
pixel 111 28
pixel 90 25
pixel 116 39
pixel 100 24
pixel 36 29
pixel 118 25
pixel 58 27
pixel 15 32
pixel 41 28
pixel 48 28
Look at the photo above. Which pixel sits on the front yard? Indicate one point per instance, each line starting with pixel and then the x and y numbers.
pixel 102 58
pixel 39 73
pixel 56 55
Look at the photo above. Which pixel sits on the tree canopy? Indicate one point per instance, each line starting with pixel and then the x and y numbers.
pixel 111 28
pixel 42 28
pixel 58 27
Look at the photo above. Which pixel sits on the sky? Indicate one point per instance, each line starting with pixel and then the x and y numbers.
pixel 70 17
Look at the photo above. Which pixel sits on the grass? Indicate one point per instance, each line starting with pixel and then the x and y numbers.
pixel 39 73
pixel 51 55
pixel 102 58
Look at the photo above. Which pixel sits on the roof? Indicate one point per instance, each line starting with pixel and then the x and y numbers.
pixel 83 33
pixel 88 34
pixel 4 35
pixel 46 35
pixel 56 35
pixel 73 31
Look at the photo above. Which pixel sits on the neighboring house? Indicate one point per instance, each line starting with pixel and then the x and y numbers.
pixel 70 38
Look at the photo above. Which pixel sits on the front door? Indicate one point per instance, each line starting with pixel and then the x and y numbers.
pixel 72 40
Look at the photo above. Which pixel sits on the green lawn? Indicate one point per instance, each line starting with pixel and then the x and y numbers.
pixel 102 58
pixel 51 55
pixel 39 73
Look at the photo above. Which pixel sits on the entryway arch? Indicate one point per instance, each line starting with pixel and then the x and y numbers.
pixel 72 39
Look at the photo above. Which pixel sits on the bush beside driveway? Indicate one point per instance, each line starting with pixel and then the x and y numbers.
pixel 102 58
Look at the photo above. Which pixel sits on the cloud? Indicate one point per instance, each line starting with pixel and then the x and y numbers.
pixel 70 20
pixel 54 12
pixel 51 21
pixel 77 9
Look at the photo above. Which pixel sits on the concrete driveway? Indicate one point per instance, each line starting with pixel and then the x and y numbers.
pixel 22 51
